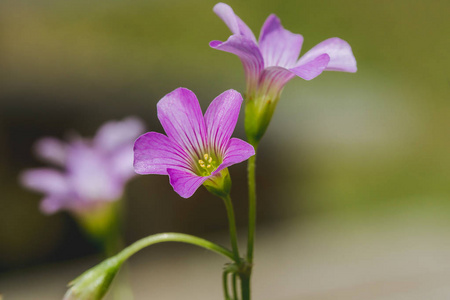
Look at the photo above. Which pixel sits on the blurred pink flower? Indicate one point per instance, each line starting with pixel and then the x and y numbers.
pixel 89 172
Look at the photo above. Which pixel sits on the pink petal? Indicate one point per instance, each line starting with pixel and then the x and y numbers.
pixel 279 47
pixel 115 134
pixel 221 117
pixel 52 150
pixel 89 174
pixel 47 181
pixel 236 25
pixel 121 162
pixel 185 183
pixel 273 79
pixel 340 52
pixel 312 68
pixel 247 51
pixel 236 152
pixel 52 204
pixel 154 153
pixel 181 117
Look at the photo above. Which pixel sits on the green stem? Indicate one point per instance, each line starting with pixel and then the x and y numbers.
pixel 225 285
pixel 173 237
pixel 235 293
pixel 245 286
pixel 232 225
pixel 251 205
pixel 245 278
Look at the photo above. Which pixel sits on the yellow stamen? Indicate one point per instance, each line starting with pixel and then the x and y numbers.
pixel 201 163
pixel 206 164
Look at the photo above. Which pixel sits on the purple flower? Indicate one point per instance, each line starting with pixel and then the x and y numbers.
pixel 197 148
pixel 273 60
pixel 89 173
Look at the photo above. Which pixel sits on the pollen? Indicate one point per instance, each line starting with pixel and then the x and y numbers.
pixel 207 164
pixel 201 163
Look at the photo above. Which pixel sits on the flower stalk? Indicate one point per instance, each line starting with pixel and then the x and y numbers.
pixel 252 207
pixel 95 282
pixel 173 237
pixel 232 227
pixel 251 169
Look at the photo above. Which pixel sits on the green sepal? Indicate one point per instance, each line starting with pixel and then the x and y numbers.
pixel 95 282
pixel 258 114
pixel 220 184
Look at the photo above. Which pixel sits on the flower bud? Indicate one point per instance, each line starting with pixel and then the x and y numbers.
pixel 94 283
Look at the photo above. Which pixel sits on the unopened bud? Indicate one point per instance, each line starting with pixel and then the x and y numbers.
pixel 94 283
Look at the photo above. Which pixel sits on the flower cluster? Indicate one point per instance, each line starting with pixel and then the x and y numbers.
pixel 196 150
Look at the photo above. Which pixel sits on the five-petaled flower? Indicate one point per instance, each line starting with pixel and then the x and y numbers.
pixel 90 172
pixel 273 60
pixel 197 148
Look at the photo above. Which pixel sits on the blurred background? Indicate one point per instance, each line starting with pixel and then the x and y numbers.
pixel 353 173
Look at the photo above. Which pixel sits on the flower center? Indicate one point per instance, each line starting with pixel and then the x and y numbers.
pixel 207 164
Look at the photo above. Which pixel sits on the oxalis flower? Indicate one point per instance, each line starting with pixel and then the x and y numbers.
pixel 197 149
pixel 272 61
pixel 88 173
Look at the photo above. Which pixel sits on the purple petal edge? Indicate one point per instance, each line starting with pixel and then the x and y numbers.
pixel 340 52
pixel 247 51
pixel 221 118
pixel 114 134
pixel 279 47
pixel 181 116
pixel 51 150
pixel 237 151
pixel 154 153
pixel 233 22
pixel 185 183
pixel 44 180
pixel 312 68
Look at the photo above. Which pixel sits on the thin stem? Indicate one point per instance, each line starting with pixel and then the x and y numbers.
pixel 245 287
pixel 232 225
pixel 251 205
pixel 235 293
pixel 225 285
pixel 173 237
pixel 245 278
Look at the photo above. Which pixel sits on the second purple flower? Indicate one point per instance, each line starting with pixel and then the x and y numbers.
pixel 272 61
pixel 197 148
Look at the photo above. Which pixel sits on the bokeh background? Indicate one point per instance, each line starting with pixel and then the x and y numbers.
pixel 353 173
